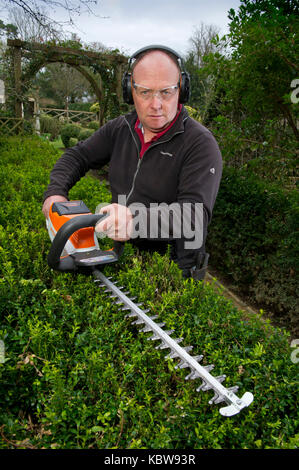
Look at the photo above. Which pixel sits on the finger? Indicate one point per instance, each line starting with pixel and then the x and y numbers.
pixel 106 209
pixel 102 225
pixel 46 210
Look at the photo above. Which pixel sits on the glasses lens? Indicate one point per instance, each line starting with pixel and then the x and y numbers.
pixel 147 94
pixel 167 93
pixel 144 93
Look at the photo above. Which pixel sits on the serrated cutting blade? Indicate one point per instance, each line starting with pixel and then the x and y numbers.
pixel 209 382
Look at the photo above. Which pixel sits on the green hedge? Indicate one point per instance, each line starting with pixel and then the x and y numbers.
pixel 50 125
pixel 93 125
pixel 69 131
pixel 72 133
pixel 77 374
pixel 85 133
pixel 253 240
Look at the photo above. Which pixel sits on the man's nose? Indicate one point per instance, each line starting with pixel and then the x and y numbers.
pixel 156 101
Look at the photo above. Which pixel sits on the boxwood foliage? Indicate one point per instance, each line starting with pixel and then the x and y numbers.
pixel 77 374
pixel 69 131
pixel 253 240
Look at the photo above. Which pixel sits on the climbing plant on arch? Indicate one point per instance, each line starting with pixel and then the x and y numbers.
pixel 102 70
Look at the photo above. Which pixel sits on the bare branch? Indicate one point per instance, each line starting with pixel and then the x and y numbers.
pixel 34 9
pixel 202 41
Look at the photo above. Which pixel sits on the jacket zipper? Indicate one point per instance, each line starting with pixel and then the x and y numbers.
pixel 138 164
pixel 140 159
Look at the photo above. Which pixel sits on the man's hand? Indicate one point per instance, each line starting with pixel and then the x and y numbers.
pixel 49 201
pixel 118 224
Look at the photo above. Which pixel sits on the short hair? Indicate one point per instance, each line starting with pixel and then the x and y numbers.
pixel 143 54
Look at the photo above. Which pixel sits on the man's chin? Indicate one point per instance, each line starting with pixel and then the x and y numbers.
pixel 157 124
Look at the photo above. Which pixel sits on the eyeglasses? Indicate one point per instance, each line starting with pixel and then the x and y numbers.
pixel 147 94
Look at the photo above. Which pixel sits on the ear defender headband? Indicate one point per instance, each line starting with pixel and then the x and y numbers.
pixel 127 76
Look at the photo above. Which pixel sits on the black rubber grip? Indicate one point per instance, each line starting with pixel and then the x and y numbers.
pixel 62 236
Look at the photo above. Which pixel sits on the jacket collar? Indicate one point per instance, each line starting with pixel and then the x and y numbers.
pixel 178 126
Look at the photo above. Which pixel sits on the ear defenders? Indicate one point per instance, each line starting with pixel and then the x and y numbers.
pixel 127 76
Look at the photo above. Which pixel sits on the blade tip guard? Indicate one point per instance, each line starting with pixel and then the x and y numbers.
pixel 232 409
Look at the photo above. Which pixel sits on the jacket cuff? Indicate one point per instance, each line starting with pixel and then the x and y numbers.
pixel 198 271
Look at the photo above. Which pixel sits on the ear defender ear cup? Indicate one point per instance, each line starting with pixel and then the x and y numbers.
pixel 127 88
pixel 127 76
pixel 185 87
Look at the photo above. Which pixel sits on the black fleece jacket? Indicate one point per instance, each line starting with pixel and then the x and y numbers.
pixel 183 165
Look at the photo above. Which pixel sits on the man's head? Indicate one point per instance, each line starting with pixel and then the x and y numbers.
pixel 155 79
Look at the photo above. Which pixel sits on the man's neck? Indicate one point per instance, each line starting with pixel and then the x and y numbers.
pixel 149 134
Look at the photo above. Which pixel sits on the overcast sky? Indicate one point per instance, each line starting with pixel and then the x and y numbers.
pixel 132 24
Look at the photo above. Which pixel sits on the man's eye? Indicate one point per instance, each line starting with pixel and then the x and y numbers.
pixel 144 92
pixel 166 92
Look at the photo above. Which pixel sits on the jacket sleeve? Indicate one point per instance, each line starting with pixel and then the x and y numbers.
pixel 92 153
pixel 199 182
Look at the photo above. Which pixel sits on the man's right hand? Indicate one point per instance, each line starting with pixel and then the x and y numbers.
pixel 49 201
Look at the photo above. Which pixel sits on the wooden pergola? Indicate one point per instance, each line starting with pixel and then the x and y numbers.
pixel 85 61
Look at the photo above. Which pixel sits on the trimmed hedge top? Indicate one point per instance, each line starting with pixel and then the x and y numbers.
pixel 77 374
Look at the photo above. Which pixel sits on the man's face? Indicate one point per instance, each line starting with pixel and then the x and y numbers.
pixel 156 71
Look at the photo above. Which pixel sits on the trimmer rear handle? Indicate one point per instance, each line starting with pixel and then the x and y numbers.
pixel 62 236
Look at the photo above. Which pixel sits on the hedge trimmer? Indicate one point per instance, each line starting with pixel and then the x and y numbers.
pixel 75 246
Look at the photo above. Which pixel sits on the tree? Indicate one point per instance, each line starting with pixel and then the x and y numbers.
pixel 28 28
pixel 7 29
pixel 257 9
pixel 63 84
pixel 264 53
pixel 204 42
pixel 253 79
pixel 33 8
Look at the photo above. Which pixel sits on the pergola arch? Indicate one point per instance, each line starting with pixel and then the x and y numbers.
pixel 97 87
pixel 108 67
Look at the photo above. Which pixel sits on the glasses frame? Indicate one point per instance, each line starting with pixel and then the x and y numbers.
pixel 155 92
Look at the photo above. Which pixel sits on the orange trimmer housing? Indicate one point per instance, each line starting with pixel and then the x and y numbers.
pixel 60 213
pixel 71 227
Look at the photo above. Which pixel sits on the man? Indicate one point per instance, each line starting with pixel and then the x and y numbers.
pixel 157 155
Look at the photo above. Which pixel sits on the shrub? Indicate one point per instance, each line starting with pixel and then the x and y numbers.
pixel 6 113
pixel 95 108
pixel 253 239
pixel 193 113
pixel 28 127
pixel 78 375
pixel 79 106
pixel 73 141
pixel 68 131
pixel 85 133
pixel 50 125
pixel 93 125
pixel 272 155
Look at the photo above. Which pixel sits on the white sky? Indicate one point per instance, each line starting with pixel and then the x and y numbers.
pixel 132 24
